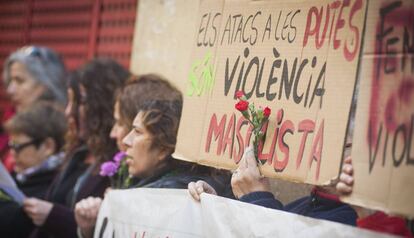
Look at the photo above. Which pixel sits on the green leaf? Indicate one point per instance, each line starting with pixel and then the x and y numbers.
pixel 246 114
pixel 252 108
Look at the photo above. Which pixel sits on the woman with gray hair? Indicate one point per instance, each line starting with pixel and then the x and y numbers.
pixel 34 73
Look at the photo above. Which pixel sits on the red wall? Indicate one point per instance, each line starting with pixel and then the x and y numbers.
pixel 77 29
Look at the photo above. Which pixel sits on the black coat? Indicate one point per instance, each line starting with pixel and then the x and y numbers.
pixel 13 220
pixel 180 176
pixel 76 182
pixel 315 206
pixel 38 184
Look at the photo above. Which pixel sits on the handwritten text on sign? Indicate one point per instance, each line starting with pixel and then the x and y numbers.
pixel 282 55
pixel 382 151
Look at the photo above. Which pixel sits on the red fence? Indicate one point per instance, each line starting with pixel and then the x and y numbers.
pixel 77 29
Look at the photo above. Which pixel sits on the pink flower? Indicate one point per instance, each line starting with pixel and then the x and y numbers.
pixel 242 106
pixel 266 112
pixel 239 94
pixel 108 169
pixel 119 157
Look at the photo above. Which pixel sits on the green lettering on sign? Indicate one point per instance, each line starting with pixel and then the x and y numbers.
pixel 201 77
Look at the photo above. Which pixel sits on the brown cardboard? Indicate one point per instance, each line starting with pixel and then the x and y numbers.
pixel 218 40
pixel 386 108
pixel 163 33
pixel 167 51
pixel 165 42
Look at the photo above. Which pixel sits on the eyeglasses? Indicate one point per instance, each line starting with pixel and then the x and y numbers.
pixel 19 147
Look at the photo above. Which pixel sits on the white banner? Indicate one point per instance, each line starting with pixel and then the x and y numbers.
pixel 162 213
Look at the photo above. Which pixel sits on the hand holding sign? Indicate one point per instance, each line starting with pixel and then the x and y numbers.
pixel 346 178
pixel 86 213
pixel 199 187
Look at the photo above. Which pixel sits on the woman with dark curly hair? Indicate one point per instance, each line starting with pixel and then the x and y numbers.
pixel 130 99
pixel 150 145
pixel 129 102
pixel 89 111
pixel 99 80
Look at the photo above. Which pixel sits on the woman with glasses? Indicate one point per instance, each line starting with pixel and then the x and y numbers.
pixel 37 148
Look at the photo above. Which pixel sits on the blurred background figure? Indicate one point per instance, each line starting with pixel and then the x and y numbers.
pixel 89 111
pixel 37 148
pixel 33 73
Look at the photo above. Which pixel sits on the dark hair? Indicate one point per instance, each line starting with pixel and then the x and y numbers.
pixel 140 89
pixel 72 141
pixel 161 118
pixel 31 122
pixel 101 78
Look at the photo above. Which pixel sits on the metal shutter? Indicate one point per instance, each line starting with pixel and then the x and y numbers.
pixel 77 29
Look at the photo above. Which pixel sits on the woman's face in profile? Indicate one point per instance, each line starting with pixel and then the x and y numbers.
pixel 75 115
pixel 71 114
pixel 144 160
pixel 22 88
pixel 119 129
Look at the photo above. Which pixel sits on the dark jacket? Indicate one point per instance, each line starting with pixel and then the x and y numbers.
pixel 13 220
pixel 179 177
pixel 37 184
pixel 76 182
pixel 318 205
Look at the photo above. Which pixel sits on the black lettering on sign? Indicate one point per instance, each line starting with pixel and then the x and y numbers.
pixel 400 130
pixel 103 227
pixel 402 135
pixel 249 78
pixel 207 31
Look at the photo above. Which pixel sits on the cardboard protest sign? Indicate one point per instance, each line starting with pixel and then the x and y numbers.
pixel 163 35
pixel 173 213
pixel 299 58
pixel 383 151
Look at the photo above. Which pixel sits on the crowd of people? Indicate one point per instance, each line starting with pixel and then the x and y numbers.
pixel 66 125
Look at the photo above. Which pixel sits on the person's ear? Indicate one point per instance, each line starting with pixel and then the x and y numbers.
pixel 48 146
pixel 163 154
